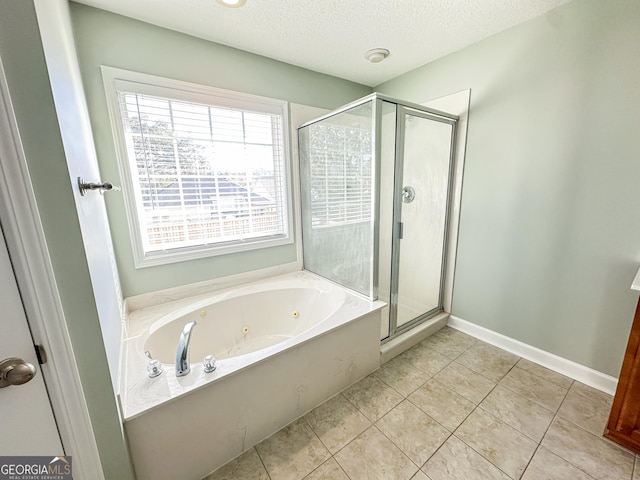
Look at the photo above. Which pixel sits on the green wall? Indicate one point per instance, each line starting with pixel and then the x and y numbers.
pixel 23 59
pixel 549 229
pixel 103 38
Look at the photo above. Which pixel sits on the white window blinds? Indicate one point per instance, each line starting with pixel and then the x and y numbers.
pixel 340 174
pixel 206 172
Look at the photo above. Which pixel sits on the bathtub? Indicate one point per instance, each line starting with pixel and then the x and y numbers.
pixel 282 346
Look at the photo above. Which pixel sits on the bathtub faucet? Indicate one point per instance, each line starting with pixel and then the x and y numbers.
pixel 182 355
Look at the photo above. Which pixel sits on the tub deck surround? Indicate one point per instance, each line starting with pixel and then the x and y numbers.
pixel 327 339
pixel 334 306
pixel 206 287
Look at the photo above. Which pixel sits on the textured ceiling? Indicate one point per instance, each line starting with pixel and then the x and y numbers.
pixel 332 36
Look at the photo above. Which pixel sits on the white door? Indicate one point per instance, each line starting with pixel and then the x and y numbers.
pixel 27 425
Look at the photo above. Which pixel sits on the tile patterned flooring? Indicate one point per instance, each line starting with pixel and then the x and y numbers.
pixel 452 407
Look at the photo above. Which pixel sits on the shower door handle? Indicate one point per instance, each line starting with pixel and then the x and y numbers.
pixel 408 194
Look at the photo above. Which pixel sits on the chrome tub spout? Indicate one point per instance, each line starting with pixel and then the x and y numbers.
pixel 182 355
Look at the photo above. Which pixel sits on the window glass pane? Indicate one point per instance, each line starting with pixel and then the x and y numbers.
pixel 226 125
pixel 258 128
pixel 203 174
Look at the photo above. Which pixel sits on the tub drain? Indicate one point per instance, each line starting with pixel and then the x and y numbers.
pixel 245 329
pixel 295 314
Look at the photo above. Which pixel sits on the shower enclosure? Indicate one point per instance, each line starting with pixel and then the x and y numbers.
pixel 375 180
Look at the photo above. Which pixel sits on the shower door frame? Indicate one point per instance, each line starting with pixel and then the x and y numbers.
pixel 402 110
pixel 377 99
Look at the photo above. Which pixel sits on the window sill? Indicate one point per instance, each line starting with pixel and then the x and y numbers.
pixel 165 257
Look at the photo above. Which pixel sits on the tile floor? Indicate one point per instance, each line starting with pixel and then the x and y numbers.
pixel 452 407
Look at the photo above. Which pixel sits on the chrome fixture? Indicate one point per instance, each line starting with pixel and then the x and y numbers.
pixel 182 355
pixel 15 371
pixel 155 367
pixel 101 187
pixel 408 194
pixel 209 364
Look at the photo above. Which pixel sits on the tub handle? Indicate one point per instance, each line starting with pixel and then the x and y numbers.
pixel 209 364
pixel 155 367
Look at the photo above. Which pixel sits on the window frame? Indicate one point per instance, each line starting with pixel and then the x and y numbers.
pixel 116 80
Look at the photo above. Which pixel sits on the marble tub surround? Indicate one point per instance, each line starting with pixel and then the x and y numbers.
pixel 200 421
pixel 409 420
pixel 139 393
pixel 206 287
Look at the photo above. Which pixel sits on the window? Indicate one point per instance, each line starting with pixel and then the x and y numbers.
pixel 205 170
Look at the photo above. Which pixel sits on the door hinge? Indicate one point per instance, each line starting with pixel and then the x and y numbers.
pixel 400 230
pixel 41 354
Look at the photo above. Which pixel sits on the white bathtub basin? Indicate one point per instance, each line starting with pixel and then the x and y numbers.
pixel 283 346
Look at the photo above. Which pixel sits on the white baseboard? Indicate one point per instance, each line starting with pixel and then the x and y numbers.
pixel 586 375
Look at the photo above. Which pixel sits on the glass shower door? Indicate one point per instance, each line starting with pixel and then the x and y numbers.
pixel 421 200
pixel 337 174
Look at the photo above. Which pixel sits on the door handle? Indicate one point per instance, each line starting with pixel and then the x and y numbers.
pixel 15 371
